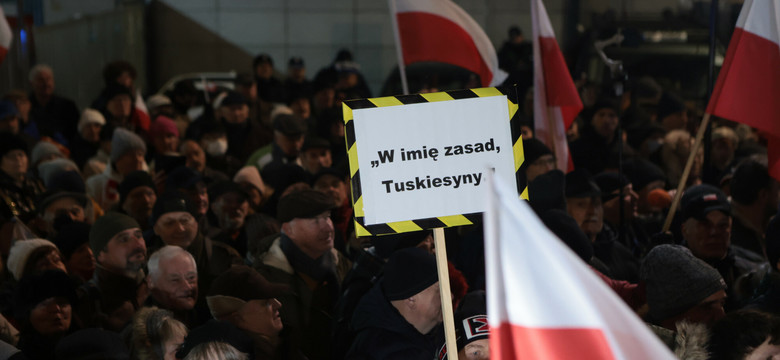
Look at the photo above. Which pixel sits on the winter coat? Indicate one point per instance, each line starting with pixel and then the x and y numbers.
pixel 689 342
pixel 306 311
pixel 384 334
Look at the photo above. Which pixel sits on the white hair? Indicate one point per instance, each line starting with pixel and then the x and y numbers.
pixel 215 350
pixel 165 253
pixel 37 70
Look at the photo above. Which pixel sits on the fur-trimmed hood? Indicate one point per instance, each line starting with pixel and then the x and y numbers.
pixel 689 342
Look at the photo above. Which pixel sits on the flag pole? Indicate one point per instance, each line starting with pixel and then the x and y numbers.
pixel 398 48
pixel 446 297
pixel 684 178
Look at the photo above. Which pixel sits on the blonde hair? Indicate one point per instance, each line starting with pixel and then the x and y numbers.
pixel 152 328
pixel 215 350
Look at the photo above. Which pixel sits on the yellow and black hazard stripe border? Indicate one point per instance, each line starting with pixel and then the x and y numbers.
pixel 437 222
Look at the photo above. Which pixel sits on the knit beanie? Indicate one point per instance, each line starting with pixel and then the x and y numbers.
pixel 47 170
pixel 70 181
pixel 162 126
pixel 124 141
pixel 251 175
pixel 106 227
pixel 44 149
pixel 669 104
pixel 533 149
pixel 642 172
pixel 157 100
pixel 133 180
pixel 579 184
pixel 7 108
pixel 21 251
pixel 35 288
pixel 70 237
pixel 609 182
pixel 90 116
pixel 546 192
pixel 10 142
pixel 408 272
pixel 170 201
pixel 676 281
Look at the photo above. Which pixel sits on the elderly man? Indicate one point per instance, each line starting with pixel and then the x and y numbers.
pixel 303 257
pixel 117 288
pixel 706 231
pixel 246 315
pixel 56 116
pixel 393 318
pixel 174 225
pixel 173 283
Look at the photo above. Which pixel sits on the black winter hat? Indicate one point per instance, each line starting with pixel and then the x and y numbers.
pixel 642 172
pixel 170 201
pixel 234 98
pixel 70 237
pixel 408 272
pixel 35 288
pixel 669 104
pixel 303 204
pixel 546 191
pixel 183 178
pixel 10 142
pixel 134 180
pixel 112 90
pixel 533 149
pixel 579 184
pixel 609 182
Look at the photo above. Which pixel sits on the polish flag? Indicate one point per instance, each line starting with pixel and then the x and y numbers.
pixel 5 36
pixel 748 87
pixel 544 302
pixel 440 31
pixel 556 101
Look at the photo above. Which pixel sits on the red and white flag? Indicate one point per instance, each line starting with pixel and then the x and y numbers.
pixel 748 87
pixel 556 101
pixel 544 302
pixel 440 31
pixel 5 36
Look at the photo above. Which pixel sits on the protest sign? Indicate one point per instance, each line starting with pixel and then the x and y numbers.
pixel 420 161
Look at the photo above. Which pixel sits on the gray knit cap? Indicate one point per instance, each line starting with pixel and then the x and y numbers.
pixel 124 141
pixel 43 149
pixel 677 281
pixel 106 227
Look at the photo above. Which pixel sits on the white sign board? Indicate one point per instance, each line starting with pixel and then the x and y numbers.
pixel 430 159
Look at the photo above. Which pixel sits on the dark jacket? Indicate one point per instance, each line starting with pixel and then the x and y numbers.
pixel 384 334
pixel 109 300
pixel 309 309
pixel 58 119
pixel 18 201
pixel 621 263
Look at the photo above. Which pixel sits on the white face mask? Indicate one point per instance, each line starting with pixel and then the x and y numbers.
pixel 217 147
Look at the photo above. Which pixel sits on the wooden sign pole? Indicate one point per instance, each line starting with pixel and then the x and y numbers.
pixel 446 294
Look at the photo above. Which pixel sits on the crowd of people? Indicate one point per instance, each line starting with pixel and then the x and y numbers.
pixel 138 232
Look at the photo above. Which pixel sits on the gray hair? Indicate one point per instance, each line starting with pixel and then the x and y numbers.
pixel 37 70
pixel 215 350
pixel 165 253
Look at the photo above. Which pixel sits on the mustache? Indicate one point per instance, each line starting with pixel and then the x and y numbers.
pixel 136 251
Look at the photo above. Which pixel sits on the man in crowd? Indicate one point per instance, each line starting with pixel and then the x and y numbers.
pixel 137 196
pixel 227 219
pixel 56 116
pixel 127 155
pixel 395 316
pixel 754 200
pixel 706 231
pixel 173 283
pixel 303 257
pixel 118 288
